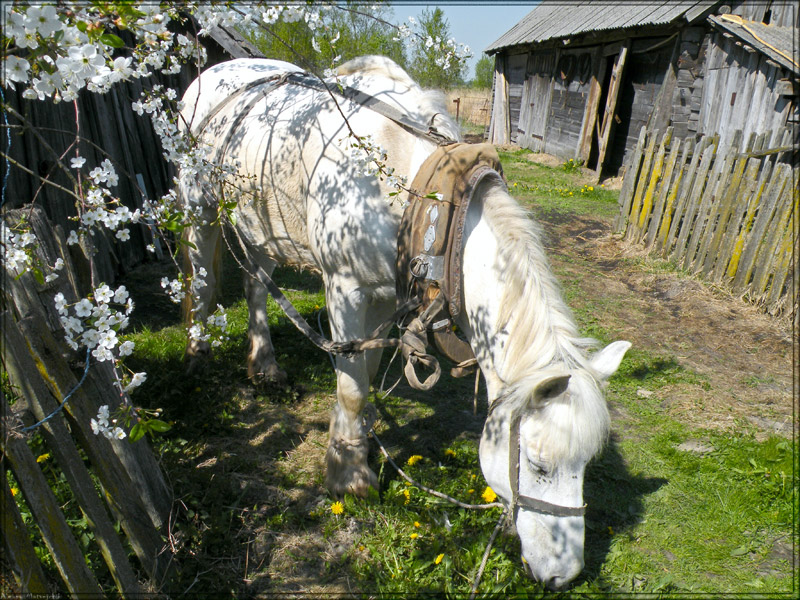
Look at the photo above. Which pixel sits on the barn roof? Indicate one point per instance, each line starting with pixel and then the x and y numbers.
pixel 778 43
pixel 553 19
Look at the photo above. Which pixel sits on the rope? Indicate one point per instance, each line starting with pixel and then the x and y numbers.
pixel 67 397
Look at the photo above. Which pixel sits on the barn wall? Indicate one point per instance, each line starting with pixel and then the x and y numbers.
pixel 571 85
pixel 516 69
pixel 642 81
pixel 739 90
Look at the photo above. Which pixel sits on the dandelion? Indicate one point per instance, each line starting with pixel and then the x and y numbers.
pixel 43 457
pixel 470 491
pixel 337 508
pixel 438 559
pixel 450 452
pixel 488 495
pixel 14 491
pixel 412 460
pixel 414 536
pixel 407 494
pixel 590 188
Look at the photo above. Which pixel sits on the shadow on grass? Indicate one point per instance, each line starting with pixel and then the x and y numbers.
pixel 615 499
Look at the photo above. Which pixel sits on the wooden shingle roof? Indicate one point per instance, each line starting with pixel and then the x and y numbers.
pixel 553 19
pixel 778 43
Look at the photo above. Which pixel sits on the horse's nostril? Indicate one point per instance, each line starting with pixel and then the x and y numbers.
pixel 556 583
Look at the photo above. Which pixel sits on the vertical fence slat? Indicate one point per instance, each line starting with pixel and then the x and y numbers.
pixel 641 183
pixel 629 181
pixel 763 272
pixel 738 220
pixel 123 495
pixel 655 179
pixel 765 212
pixel 752 209
pixel 667 183
pixel 693 204
pixel 57 535
pixel 22 369
pixel 713 203
pixel 725 207
pixel 24 562
pixel 782 264
pixel 674 194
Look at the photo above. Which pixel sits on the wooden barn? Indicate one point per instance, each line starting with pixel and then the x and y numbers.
pixel 579 80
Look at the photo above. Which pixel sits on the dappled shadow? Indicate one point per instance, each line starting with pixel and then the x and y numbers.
pixel 615 499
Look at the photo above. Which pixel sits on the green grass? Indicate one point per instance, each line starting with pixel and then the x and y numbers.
pixel 661 520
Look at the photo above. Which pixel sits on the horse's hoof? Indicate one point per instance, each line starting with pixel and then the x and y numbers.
pixel 271 376
pixel 354 480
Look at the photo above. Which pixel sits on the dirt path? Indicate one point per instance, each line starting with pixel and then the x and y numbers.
pixel 744 354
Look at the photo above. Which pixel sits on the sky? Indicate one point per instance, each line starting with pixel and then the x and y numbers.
pixel 476 24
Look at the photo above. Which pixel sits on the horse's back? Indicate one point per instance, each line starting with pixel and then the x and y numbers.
pixel 219 82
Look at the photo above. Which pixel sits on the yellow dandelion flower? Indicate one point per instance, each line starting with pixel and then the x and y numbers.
pixel 473 475
pixel 416 524
pixel 407 494
pixel 470 491
pixel 361 548
pixel 438 559
pixel 407 482
pixel 412 460
pixel 488 495
pixel 590 188
pixel 449 452
pixel 14 491
pixel 337 508
pixel 43 457
pixel 414 536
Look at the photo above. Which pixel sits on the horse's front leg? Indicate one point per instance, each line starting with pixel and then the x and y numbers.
pixel 347 470
pixel 261 364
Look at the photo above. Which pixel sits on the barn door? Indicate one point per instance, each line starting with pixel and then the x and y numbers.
pixel 607 125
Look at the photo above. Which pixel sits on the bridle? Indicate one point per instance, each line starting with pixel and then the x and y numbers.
pixel 519 500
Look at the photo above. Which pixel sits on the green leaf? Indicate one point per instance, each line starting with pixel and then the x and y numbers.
pixel 187 243
pixel 158 425
pixel 137 432
pixel 109 39
pixel 82 25
pixel 38 275
pixel 740 551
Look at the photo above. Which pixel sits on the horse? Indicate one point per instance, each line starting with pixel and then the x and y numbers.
pixel 301 198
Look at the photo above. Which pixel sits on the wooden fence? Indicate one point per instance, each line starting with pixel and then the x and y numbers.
pixel 123 483
pixel 729 218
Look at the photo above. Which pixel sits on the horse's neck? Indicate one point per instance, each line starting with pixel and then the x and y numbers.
pixel 483 288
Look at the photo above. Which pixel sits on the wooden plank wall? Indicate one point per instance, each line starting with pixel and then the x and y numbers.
pixel 536 100
pixel 41 373
pixel 726 216
pixel 572 80
pixel 740 92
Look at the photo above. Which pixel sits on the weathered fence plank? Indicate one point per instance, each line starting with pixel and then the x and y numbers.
pixel 629 181
pixel 22 369
pixel 24 562
pixel 725 216
pixel 56 534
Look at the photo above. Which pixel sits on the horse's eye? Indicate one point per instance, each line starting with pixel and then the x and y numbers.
pixel 539 467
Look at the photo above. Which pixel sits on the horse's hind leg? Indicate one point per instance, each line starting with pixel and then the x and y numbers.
pixel 261 364
pixel 202 252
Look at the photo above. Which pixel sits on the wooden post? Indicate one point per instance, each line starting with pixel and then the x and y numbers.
pixel 655 179
pixel 592 104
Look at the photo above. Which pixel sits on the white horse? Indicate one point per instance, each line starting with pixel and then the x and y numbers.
pixel 302 201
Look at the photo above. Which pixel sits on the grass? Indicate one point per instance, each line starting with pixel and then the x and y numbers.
pixel 252 517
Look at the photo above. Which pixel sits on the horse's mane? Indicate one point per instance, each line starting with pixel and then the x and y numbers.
pixel 431 103
pixel 543 335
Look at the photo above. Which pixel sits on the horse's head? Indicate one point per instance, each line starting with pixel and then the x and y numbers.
pixel 538 438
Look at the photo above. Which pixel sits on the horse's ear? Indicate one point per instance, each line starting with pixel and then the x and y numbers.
pixel 550 388
pixel 607 361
